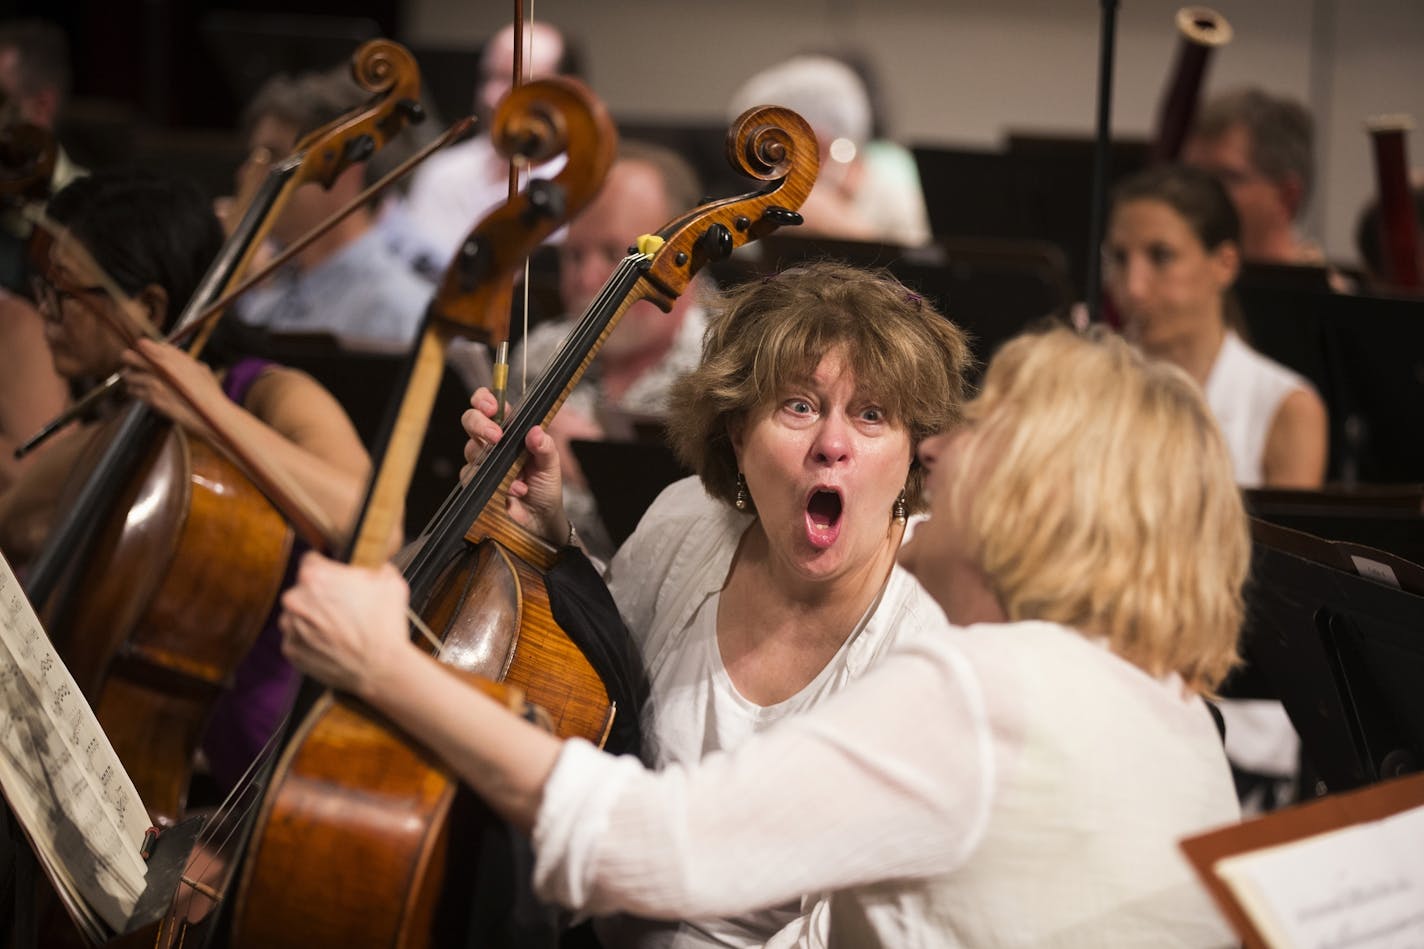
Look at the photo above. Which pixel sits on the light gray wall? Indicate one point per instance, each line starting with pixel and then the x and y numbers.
pixel 966 72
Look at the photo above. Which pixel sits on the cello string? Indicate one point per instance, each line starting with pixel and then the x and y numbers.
pixel 425 631
pixel 524 349
pixel 220 813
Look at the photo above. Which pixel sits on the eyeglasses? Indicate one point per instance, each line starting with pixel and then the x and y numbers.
pixel 50 298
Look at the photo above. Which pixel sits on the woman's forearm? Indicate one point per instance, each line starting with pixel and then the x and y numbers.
pixel 503 758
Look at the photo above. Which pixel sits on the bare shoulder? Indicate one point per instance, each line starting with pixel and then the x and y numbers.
pixel 21 329
pixel 1298 442
pixel 279 391
pixel 302 410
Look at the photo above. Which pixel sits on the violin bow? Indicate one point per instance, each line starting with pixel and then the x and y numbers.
pixel 1107 38
pixel 499 349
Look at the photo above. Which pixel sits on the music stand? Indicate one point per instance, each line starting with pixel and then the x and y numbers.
pixel 1344 653
pixel 702 144
pixel 250 48
pixel 1385 517
pixel 970 191
pixel 1365 355
pixel 1056 175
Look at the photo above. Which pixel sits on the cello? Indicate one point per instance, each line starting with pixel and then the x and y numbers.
pixel 534 121
pixel 479 580
pixel 135 582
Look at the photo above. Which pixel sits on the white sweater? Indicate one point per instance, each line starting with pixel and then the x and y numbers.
pixel 1001 785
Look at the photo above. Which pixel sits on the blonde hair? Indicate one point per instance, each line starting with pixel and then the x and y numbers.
pixel 775 331
pixel 1105 501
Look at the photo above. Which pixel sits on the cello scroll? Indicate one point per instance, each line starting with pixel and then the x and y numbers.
pixel 390 73
pixel 768 143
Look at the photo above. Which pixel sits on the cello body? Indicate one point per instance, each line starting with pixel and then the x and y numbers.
pixel 390 874
pixel 165 604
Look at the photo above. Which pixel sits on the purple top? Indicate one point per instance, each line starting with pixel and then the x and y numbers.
pixel 246 715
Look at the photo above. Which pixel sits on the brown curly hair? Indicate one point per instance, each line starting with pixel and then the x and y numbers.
pixel 770 332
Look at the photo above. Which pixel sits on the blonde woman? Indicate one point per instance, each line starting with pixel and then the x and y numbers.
pixel 1021 780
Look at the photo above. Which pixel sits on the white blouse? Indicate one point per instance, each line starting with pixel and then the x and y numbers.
pixel 1011 784
pixel 667 581
pixel 1244 391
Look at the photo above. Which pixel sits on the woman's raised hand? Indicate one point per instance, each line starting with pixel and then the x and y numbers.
pixel 536 496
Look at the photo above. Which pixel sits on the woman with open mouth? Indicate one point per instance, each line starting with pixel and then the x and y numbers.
pixel 1021 778
pixel 768 582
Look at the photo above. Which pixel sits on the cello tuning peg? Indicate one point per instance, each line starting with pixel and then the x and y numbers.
pixel 782 217
pixel 546 199
pixel 472 263
pixel 358 149
pixel 412 110
pixel 715 243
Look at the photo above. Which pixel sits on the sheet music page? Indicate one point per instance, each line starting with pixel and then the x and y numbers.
pixel 1360 887
pixel 60 774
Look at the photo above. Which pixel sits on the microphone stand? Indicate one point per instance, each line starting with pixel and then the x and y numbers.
pixel 1106 39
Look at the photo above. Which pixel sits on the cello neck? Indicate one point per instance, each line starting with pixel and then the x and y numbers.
pixel 444 535
pixel 237 251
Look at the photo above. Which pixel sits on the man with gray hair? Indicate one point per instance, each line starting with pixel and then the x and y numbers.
pixel 630 379
pixel 1260 146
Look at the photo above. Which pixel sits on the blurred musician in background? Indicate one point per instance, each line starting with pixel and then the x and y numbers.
pixel 1172 253
pixel 867 189
pixel 349 283
pixel 629 379
pixel 1260 147
pixel 454 189
pixel 155 238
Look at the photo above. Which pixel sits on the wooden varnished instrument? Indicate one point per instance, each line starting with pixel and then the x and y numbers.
pixel 1201 30
pixel 476 580
pixel 1398 223
pixel 167 560
pixel 345 773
